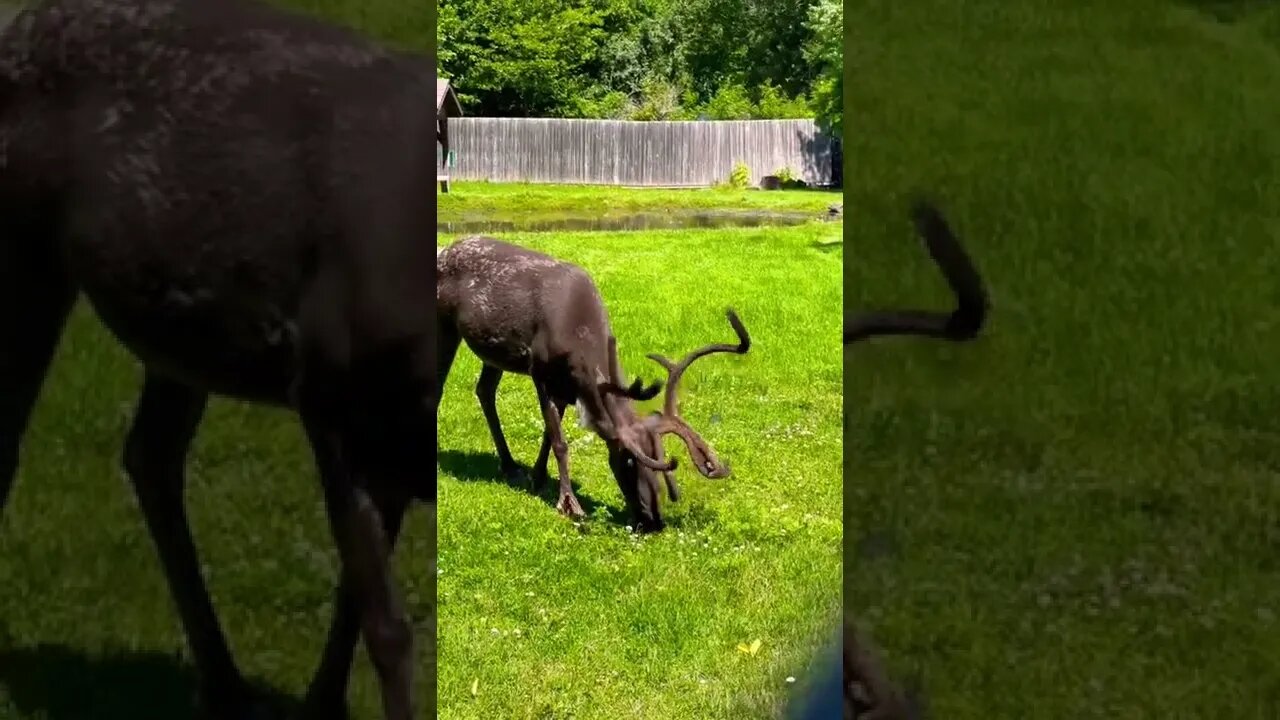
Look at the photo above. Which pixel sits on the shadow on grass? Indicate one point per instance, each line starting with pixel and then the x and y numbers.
pixel 63 683
pixel 827 245
pixel 484 467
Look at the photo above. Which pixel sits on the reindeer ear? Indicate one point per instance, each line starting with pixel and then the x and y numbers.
pixel 636 391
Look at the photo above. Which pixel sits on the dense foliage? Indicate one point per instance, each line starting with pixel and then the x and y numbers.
pixel 626 59
pixel 644 59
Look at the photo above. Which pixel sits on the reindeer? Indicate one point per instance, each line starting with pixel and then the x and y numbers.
pixel 238 192
pixel 523 312
pixel 869 694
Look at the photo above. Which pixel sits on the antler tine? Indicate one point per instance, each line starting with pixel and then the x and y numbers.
pixel 662 360
pixel 676 370
pixel 613 358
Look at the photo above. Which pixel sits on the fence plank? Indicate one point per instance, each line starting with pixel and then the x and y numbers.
pixel 618 152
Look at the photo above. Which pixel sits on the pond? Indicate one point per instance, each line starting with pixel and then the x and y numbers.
pixel 651 220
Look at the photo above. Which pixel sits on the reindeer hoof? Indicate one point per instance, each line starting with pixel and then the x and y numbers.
pixel 568 504
pixel 329 710
pixel 516 475
pixel 240 710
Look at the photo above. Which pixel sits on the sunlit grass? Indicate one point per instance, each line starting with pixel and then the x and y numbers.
pixel 544 621
pixel 1079 515
pixel 472 198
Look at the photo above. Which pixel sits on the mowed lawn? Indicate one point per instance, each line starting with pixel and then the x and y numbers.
pixel 1079 515
pixel 541 620
pixel 87 629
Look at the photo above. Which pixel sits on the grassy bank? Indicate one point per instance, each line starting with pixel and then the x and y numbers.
pixel 1080 514
pixel 480 198
pixel 539 620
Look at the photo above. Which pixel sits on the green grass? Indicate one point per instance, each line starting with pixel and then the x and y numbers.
pixel 1080 514
pixel 87 628
pixel 549 622
pixel 469 198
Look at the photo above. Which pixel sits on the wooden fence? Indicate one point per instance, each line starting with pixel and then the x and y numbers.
pixel 631 153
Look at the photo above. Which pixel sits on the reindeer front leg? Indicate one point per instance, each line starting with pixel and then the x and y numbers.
pixel 554 433
pixel 544 453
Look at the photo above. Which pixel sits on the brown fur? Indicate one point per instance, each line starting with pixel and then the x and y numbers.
pixel 242 195
pixel 521 311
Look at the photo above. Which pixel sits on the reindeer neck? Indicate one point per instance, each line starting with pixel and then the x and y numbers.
pixel 592 404
pixel 624 409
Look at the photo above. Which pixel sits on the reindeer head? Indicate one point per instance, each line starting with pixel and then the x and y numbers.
pixel 636 454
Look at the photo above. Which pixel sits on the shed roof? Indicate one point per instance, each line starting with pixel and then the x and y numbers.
pixel 446 100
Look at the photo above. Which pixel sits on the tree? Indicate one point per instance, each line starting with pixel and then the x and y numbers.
pixel 825 52
pixel 639 59
pixel 523 59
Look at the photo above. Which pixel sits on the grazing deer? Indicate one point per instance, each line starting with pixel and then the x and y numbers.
pixel 963 323
pixel 523 312
pixel 238 192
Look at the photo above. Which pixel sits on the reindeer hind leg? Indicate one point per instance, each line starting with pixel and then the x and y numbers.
pixel 164 424
pixel 447 341
pixel 487 394
pixel 36 296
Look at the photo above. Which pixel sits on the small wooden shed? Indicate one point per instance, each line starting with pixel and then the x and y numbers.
pixel 447 106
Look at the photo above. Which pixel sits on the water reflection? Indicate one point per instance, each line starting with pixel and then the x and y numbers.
pixel 676 220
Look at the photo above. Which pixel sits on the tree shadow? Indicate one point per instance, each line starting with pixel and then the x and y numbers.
pixel 484 467
pixel 820 158
pixel 59 682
